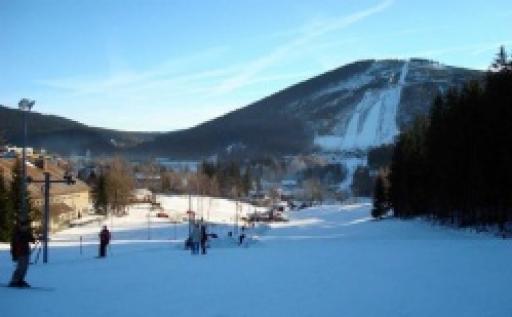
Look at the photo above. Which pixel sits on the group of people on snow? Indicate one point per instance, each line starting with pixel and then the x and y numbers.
pixel 198 237
pixel 22 237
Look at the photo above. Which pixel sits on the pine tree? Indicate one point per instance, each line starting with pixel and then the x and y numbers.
pixel 362 184
pixel 246 182
pixel 455 166
pixel 6 212
pixel 99 195
pixel 34 214
pixel 501 61
pixel 2 139
pixel 15 190
pixel 380 195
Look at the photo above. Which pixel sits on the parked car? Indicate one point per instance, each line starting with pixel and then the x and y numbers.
pixel 162 214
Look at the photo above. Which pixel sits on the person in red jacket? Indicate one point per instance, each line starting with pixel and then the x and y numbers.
pixel 104 241
pixel 20 252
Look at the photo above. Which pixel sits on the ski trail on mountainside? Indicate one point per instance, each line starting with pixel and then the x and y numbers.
pixel 374 119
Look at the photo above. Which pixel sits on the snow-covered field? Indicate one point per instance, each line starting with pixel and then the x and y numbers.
pixel 219 210
pixel 327 261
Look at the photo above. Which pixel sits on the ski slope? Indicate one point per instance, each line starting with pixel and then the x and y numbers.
pixel 373 121
pixel 327 261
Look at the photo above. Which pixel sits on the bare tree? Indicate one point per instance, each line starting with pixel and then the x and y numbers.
pixel 213 187
pixel 149 171
pixel 313 190
pixel 120 183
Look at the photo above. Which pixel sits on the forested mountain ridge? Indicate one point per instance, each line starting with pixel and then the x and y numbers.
pixel 354 107
pixel 65 136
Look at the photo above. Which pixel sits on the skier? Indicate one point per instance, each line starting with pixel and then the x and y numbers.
pixel 241 237
pixel 104 241
pixel 20 252
pixel 204 237
pixel 196 238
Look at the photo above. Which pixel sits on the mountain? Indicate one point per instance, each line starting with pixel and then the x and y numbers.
pixel 66 136
pixel 349 109
pixel 352 108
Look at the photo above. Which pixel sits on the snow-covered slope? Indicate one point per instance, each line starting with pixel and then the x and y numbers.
pixel 369 108
pixel 373 121
pixel 327 261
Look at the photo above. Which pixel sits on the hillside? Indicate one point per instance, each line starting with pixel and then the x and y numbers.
pixel 354 107
pixel 65 136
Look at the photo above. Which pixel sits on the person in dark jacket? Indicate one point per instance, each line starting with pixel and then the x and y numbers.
pixel 20 252
pixel 241 237
pixel 204 237
pixel 104 241
pixel 196 238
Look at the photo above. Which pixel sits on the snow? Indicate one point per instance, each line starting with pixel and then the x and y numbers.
pixel 217 210
pixel 373 121
pixel 328 142
pixel 327 261
pixel 356 82
pixel 351 164
pixel 178 165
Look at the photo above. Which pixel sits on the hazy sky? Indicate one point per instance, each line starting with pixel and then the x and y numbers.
pixel 165 65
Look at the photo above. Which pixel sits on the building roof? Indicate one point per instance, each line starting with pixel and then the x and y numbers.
pixel 36 189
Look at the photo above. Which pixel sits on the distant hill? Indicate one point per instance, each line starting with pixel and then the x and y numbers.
pixel 354 107
pixel 66 136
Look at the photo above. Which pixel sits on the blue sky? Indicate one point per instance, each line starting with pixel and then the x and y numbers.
pixel 166 65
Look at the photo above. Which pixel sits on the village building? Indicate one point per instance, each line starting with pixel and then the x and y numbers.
pixel 67 201
pixel 141 195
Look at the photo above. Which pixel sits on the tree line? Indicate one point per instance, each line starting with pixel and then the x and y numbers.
pixel 221 179
pixel 455 165
pixel 112 187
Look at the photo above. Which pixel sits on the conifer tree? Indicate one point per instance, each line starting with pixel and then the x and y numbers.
pixel 380 195
pixel 246 182
pixel 34 214
pixel 99 195
pixel 501 61
pixel 456 166
pixel 6 212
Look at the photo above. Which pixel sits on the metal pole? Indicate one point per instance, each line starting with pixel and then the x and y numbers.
pixel 149 224
pixel 189 212
pixel 235 229
pixel 209 206
pixel 111 211
pixel 23 210
pixel 46 225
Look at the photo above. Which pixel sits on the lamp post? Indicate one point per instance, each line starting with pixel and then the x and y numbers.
pixel 186 183
pixel 25 105
pixel 235 196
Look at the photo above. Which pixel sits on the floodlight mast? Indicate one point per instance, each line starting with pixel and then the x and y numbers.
pixel 25 105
